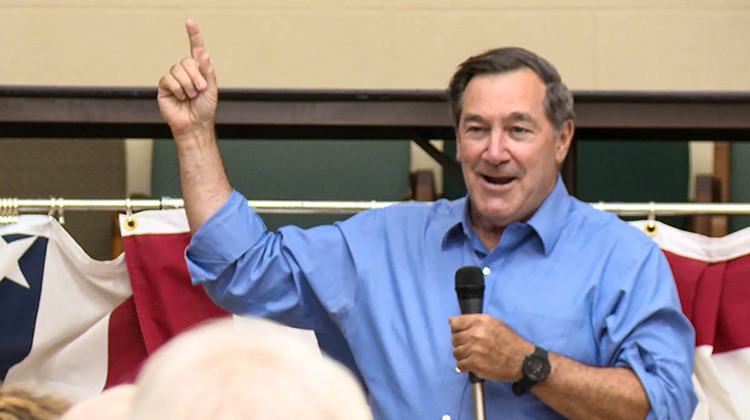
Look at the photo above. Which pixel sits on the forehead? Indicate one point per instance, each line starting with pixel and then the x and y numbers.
pixel 520 91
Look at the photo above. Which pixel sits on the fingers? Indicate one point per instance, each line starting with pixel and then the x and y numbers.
pixel 169 86
pixel 468 358
pixel 184 80
pixel 199 54
pixel 464 322
pixel 197 48
pixel 487 347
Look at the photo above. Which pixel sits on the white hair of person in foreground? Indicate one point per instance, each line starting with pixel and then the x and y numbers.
pixel 249 369
pixel 112 404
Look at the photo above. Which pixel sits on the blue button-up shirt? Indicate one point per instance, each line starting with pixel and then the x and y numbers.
pixel 574 280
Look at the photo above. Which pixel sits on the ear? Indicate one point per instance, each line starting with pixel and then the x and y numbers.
pixel 563 141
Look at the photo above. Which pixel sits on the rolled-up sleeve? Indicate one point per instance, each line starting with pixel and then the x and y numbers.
pixel 300 277
pixel 222 239
pixel 647 332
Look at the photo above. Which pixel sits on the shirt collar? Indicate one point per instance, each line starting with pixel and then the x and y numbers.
pixel 456 220
pixel 547 222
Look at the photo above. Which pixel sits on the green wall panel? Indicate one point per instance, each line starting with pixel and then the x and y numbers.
pixel 740 188
pixel 300 170
pixel 634 171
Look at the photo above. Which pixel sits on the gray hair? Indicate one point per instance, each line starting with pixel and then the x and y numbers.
pixel 558 101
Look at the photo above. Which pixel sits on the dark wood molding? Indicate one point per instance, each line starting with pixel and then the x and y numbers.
pixel 44 111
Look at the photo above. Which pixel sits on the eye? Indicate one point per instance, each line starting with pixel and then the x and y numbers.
pixel 475 130
pixel 519 132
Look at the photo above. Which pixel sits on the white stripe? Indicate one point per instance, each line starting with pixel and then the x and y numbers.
pixel 734 368
pixel 718 396
pixel 155 222
pixel 69 352
pixel 699 247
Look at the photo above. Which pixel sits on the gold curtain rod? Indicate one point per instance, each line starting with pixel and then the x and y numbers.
pixel 10 206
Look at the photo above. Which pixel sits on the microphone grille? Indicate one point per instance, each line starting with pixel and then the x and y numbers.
pixel 469 282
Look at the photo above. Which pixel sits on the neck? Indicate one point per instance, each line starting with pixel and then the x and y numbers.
pixel 490 238
pixel 487 232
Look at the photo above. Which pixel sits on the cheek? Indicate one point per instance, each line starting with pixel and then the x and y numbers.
pixel 468 152
pixel 463 155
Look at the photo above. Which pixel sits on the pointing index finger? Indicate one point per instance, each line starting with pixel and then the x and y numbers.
pixel 196 40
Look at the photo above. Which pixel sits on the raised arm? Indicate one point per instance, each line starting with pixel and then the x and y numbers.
pixel 188 96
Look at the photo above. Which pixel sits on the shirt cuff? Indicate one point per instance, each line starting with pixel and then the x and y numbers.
pixel 658 383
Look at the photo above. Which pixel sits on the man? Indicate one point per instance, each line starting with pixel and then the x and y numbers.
pixel 248 369
pixel 585 296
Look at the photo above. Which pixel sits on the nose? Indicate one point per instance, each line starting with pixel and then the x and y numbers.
pixel 497 149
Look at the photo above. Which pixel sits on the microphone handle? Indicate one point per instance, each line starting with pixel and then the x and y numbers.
pixel 471 306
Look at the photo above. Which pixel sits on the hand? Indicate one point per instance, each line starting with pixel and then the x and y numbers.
pixel 188 94
pixel 487 347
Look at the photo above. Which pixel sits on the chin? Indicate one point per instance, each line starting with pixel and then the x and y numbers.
pixel 495 215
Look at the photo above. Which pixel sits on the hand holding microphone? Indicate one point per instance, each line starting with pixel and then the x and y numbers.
pixel 483 344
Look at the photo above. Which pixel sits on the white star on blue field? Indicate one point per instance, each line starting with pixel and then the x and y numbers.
pixel 12 252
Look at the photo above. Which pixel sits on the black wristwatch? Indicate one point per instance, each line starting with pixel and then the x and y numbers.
pixel 535 369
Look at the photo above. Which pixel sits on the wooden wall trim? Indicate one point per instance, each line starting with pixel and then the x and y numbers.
pixel 77 112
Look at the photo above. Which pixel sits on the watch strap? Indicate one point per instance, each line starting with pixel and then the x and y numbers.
pixel 520 387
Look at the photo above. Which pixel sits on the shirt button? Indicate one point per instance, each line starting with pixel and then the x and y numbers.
pixel 446 417
pixel 486 271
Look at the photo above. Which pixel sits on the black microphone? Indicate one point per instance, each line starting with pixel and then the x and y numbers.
pixel 470 291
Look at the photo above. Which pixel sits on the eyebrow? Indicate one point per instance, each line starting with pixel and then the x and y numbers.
pixel 514 117
pixel 473 118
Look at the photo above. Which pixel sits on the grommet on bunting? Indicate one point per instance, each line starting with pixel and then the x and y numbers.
pixel 651 222
pixel 130 223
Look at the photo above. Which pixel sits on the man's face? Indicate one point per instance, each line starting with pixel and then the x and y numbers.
pixel 508 149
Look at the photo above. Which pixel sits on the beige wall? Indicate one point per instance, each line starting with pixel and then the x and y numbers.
pixel 402 44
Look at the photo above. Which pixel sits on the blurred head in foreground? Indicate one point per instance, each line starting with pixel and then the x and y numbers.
pixel 245 369
pixel 112 404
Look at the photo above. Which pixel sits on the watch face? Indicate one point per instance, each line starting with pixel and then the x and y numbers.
pixel 536 368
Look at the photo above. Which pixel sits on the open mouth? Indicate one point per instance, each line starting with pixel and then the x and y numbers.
pixel 498 180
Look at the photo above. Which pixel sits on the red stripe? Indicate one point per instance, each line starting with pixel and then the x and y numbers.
pixel 165 299
pixel 715 297
pixel 126 348
pixel 733 329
